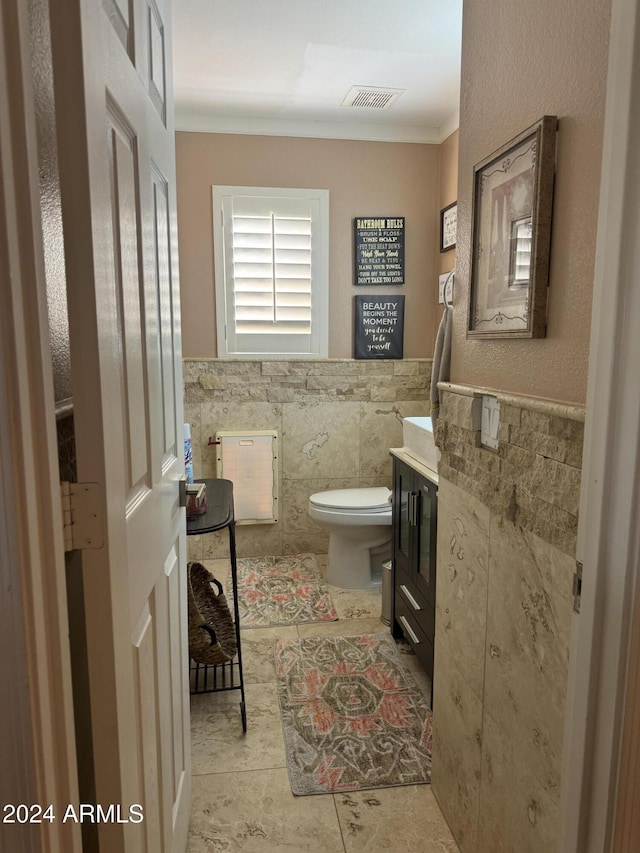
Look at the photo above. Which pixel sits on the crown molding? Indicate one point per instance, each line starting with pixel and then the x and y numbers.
pixel 361 131
pixel 449 126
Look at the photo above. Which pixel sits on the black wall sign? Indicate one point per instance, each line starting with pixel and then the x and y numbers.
pixel 379 249
pixel 379 327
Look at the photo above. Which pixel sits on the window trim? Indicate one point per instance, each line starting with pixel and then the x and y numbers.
pixel 319 337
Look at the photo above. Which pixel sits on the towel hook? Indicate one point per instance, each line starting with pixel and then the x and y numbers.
pixel 444 290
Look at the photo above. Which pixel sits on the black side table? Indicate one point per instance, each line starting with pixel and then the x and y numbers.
pixel 209 678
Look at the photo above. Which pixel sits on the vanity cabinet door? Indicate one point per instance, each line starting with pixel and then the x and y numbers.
pixel 402 503
pixel 415 513
pixel 425 570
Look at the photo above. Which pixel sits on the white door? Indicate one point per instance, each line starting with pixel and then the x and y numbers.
pixel 112 77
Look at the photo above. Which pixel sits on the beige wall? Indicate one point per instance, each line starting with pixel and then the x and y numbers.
pixel 519 62
pixel 448 193
pixel 364 178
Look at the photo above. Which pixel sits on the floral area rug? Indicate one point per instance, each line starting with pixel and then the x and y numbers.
pixel 282 591
pixel 352 715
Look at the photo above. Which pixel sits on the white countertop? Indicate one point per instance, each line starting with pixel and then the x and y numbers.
pixel 403 454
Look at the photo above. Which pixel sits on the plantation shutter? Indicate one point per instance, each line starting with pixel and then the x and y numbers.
pixel 272 261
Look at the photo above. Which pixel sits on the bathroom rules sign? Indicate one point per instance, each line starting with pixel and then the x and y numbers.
pixel 379 327
pixel 379 249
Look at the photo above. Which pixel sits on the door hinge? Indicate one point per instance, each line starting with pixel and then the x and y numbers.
pixel 577 587
pixel 82 516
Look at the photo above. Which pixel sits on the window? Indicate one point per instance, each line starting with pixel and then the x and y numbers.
pixel 271 251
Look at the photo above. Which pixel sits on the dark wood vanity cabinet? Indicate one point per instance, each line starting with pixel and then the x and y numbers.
pixel 415 515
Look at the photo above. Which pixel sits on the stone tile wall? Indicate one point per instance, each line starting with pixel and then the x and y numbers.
pixel 506 543
pixel 534 477
pixel 336 420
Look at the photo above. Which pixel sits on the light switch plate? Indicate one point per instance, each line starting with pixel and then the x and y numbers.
pixel 490 421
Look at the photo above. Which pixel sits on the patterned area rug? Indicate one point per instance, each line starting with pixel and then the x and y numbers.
pixel 282 591
pixel 353 717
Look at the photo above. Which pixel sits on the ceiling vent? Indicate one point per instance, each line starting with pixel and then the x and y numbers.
pixel 372 97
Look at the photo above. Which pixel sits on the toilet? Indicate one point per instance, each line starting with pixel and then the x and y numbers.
pixel 359 525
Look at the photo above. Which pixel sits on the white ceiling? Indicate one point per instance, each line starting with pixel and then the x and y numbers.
pixel 283 67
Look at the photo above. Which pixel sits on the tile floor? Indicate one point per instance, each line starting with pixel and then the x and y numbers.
pixel 241 794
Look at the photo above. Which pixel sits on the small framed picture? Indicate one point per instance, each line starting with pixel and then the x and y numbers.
pixel 448 223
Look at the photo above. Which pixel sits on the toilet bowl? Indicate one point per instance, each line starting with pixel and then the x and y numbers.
pixel 359 525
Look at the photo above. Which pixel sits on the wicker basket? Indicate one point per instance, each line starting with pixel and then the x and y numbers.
pixel 212 634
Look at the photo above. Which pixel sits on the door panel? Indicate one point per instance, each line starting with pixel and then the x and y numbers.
pixel 126 225
pixel 118 202
pixel 146 692
pixel 119 15
pixel 166 318
pixel 156 64
pixel 173 744
pixel 168 666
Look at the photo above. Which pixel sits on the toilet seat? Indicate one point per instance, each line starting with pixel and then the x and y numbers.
pixel 367 500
